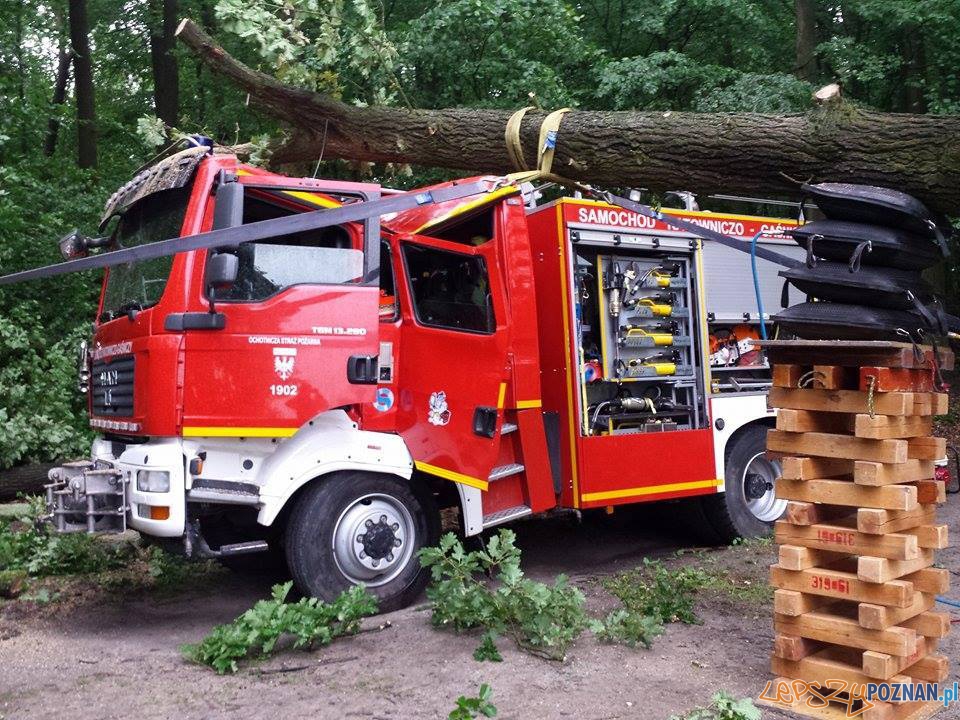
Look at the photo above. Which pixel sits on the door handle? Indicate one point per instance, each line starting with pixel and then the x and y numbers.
pixel 362 369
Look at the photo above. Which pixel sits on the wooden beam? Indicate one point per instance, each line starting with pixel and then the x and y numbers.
pixel 794 603
pixel 878 521
pixel 846 538
pixel 884 666
pixel 787 376
pixel 927 448
pixel 880 617
pixel 874 473
pixel 793 647
pixel 896 379
pixel 810 468
pixel 807 513
pixel 837 446
pixel 883 570
pixel 882 427
pixel 842 492
pixel 814 421
pixel 842 585
pixel 792 557
pixel 930 624
pixel 935 581
pixel 844 401
pixel 844 631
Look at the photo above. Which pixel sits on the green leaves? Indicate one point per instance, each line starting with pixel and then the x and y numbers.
pixel 310 622
pixel 474 707
pixel 542 619
pixel 724 707
pixel 668 595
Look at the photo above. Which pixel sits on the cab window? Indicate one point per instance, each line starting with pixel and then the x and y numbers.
pixel 450 290
pixel 389 305
pixel 327 256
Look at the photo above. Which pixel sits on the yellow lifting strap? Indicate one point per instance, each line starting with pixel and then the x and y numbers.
pixel 546 147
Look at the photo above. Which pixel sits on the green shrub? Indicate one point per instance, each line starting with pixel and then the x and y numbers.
pixel 311 622
pixel 479 705
pixel 654 590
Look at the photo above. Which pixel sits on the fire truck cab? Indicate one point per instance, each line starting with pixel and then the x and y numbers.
pixel 321 395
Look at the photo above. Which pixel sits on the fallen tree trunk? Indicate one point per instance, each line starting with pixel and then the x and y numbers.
pixel 738 153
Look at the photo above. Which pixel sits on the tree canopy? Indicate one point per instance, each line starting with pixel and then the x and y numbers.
pixel 91 89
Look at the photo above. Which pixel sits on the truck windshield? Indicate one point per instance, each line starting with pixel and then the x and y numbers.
pixel 140 284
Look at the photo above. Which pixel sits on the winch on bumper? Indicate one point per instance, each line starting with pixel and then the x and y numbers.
pixel 84 496
pixel 137 485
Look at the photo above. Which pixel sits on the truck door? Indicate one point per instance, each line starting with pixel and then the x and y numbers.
pixel 299 309
pixel 452 357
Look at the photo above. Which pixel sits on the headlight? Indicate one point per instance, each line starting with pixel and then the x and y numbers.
pixel 153 481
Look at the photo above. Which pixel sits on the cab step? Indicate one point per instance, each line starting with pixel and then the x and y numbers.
pixel 507 428
pixel 502 471
pixel 506 515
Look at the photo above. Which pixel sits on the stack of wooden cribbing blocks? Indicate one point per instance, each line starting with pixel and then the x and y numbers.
pixel 855 580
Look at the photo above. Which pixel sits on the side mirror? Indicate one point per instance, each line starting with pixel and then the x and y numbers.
pixel 76 245
pixel 222 271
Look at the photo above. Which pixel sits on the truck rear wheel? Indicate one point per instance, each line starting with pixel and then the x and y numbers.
pixel 748 507
pixel 361 528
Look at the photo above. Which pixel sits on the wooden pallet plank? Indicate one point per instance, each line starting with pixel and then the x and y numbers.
pixel 883 570
pixel 884 666
pixel 794 647
pixel 929 624
pixel 788 376
pixel 794 557
pixel 845 538
pixel 812 468
pixel 930 492
pixel 841 585
pixel 893 379
pixel 935 581
pixel 807 513
pixel 883 427
pixel 878 521
pixel 927 448
pixel 874 473
pixel 879 617
pixel 790 420
pixel 837 446
pixel 842 492
pixel 794 603
pixel 854 353
pixel 847 632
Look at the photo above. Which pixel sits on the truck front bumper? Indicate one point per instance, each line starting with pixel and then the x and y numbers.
pixel 102 494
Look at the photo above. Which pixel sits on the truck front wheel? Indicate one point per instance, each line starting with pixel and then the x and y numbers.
pixel 749 506
pixel 361 528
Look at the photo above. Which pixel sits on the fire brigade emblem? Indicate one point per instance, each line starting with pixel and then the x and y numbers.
pixel 283 361
pixel 439 412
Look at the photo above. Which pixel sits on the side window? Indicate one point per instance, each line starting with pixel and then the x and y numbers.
pixel 324 257
pixel 449 290
pixel 389 305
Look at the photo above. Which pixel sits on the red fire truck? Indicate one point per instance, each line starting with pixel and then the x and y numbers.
pixel 324 393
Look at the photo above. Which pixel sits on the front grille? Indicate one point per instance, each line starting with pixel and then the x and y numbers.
pixel 112 386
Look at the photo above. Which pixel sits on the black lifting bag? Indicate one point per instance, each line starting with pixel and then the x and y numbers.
pixel 856 243
pixel 879 287
pixel 835 321
pixel 878 206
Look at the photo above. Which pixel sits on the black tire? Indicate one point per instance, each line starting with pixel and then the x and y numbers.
pixel 324 513
pixel 728 514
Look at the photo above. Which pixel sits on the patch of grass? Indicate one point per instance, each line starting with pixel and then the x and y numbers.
pixel 311 622
pixel 542 619
pixel 654 590
pixel 476 706
pixel 723 706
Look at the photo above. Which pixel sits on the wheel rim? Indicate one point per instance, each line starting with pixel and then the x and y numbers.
pixel 757 487
pixel 373 539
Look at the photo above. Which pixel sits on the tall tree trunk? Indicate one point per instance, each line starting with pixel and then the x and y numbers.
pixel 166 82
pixel 806 20
pixel 83 84
pixel 737 153
pixel 59 96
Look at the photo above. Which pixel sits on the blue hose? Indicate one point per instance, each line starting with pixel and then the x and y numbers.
pixel 945 601
pixel 756 283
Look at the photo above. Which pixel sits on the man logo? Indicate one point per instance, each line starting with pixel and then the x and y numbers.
pixel 283 360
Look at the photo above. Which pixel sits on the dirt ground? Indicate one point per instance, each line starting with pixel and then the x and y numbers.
pixel 110 654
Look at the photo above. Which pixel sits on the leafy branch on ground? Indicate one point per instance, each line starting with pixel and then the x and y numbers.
pixel 723 706
pixel 311 622
pixel 657 591
pixel 476 706
pixel 542 619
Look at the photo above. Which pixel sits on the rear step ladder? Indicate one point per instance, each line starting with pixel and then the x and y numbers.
pixel 498 473
pixel 506 515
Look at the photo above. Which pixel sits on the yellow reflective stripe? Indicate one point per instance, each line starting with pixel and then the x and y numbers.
pixel 527 404
pixel 468 207
pixel 239 432
pixel 312 198
pixel 502 396
pixel 650 490
pixel 451 475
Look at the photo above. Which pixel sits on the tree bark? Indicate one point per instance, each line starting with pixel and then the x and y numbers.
pixel 166 82
pixel 83 84
pixel 806 20
pixel 736 153
pixel 59 96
